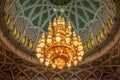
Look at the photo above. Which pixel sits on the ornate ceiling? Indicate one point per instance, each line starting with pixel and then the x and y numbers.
pixel 87 16
pixel 29 18
pixel 25 20
pixel 107 67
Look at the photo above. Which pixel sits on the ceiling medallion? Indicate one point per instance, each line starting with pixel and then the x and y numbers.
pixel 60 2
pixel 60 47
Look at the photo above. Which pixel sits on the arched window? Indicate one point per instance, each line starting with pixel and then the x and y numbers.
pixel 18 35
pixel 92 42
pixel 23 39
pixel 104 31
pixel 85 47
pixel 89 44
pixel 15 31
pixel 12 28
pixel 101 35
pixel 110 23
pixel 27 42
pixel 31 44
pixel 98 38
pixel 8 20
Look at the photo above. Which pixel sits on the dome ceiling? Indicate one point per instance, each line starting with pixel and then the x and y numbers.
pixel 33 16
pixel 27 19
pixel 13 66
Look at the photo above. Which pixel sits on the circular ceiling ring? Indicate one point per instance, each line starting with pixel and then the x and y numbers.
pixel 60 2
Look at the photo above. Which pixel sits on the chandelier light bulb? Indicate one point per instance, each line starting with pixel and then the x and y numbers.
pixel 75 43
pixel 41 60
pixel 67 40
pixel 49 40
pixel 80 48
pixel 68 65
pixel 38 55
pixel 53 65
pixel 42 45
pixel 61 46
pixel 82 53
pixel 47 63
pixel 58 39
pixel 79 58
pixel 38 49
pixel 75 62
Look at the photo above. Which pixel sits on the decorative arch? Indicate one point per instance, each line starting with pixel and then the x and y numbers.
pixel 57 77
pixel 74 77
pixel 91 78
pixel 39 77
pixel 21 77
pixel 107 76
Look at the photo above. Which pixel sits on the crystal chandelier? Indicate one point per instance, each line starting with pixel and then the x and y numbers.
pixel 60 47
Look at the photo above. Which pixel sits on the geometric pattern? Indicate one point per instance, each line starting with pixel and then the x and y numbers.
pixel 87 16
pixel 106 67
pixel 25 20
pixel 13 67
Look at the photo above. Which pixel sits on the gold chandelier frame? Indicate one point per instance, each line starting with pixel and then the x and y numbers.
pixel 60 47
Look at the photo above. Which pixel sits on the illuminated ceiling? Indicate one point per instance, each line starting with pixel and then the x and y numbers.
pixel 101 61
pixel 93 20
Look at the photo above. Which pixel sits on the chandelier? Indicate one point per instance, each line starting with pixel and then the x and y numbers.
pixel 60 47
